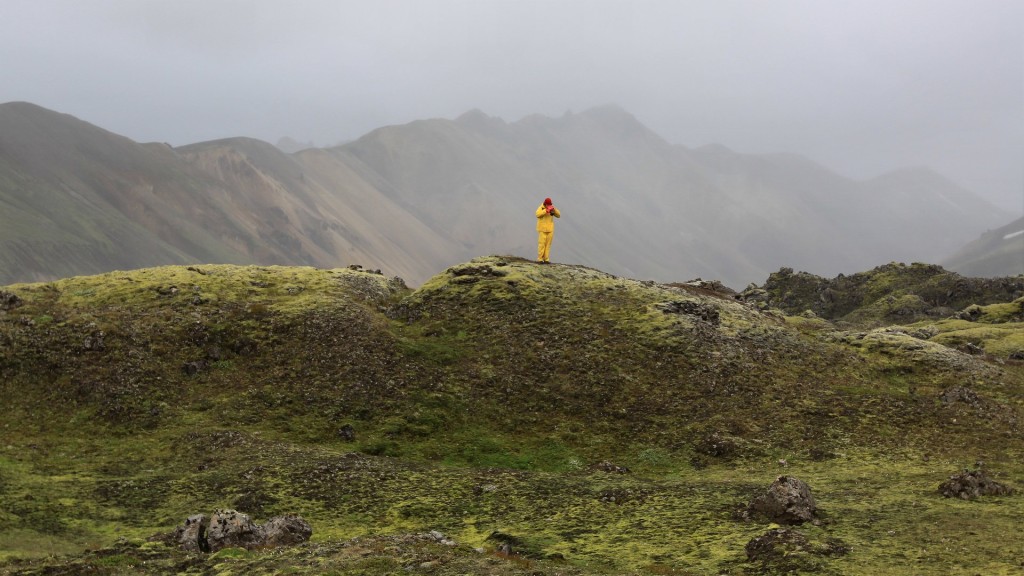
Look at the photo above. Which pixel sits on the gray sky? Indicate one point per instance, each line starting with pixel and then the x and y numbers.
pixel 862 86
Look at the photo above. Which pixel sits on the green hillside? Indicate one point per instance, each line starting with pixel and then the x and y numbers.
pixel 598 424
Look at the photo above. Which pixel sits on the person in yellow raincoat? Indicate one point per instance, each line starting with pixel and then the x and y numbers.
pixel 546 215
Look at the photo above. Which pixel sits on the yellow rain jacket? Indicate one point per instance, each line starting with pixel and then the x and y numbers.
pixel 545 221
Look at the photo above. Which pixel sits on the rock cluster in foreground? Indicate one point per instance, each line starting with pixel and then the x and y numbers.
pixel 232 529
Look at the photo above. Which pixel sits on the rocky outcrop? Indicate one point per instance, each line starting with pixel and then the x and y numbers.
pixel 893 293
pixel 233 529
pixel 9 300
pixel 787 501
pixel 971 484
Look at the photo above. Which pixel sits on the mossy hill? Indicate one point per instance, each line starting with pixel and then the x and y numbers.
pixel 494 404
pixel 893 293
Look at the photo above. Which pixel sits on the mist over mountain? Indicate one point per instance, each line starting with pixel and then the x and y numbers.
pixel 998 252
pixel 416 198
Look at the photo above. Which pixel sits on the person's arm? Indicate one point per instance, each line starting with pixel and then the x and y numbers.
pixel 555 212
pixel 541 211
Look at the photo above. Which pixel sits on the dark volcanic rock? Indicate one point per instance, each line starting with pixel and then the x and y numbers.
pixel 971 484
pixel 231 529
pixel 191 535
pixel 787 501
pixel 286 530
pixel 9 300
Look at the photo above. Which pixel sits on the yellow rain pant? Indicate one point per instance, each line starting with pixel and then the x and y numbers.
pixel 544 246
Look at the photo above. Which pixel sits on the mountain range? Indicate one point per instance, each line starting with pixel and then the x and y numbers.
pixel 412 199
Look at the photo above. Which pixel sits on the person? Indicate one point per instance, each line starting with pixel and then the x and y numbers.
pixel 546 215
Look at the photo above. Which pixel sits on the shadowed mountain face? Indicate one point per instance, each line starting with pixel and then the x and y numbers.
pixel 415 198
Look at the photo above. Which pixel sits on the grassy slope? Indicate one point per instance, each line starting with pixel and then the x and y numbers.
pixel 479 403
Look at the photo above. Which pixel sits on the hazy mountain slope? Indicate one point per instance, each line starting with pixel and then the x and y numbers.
pixel 307 208
pixel 78 199
pixel 83 199
pixel 929 215
pixel 998 252
pixel 814 219
pixel 415 198
pixel 636 205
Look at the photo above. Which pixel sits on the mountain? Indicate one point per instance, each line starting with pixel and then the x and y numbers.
pixel 998 252
pixel 414 198
pixel 503 418
pixel 78 199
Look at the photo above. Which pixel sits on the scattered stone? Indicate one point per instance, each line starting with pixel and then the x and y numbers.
pixel 440 538
pixel 972 349
pixel 717 445
pixel 483 270
pixel 962 394
pixel 699 310
pixel 94 342
pixel 167 290
pixel 787 501
pixel 193 368
pixel 971 484
pixel 607 466
pixel 347 433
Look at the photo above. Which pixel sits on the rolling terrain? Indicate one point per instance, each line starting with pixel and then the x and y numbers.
pixel 595 423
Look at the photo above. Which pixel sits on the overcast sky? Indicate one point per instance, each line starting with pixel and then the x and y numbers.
pixel 862 86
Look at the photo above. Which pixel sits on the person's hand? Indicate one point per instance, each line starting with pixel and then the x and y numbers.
pixel 551 209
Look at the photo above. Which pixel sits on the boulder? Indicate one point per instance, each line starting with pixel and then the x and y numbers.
pixel 231 529
pixel 971 484
pixel 787 501
pixel 287 530
pixel 191 535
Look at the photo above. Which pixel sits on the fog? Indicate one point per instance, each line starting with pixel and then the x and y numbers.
pixel 862 87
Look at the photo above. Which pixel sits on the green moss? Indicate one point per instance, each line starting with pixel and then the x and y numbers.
pixel 483 403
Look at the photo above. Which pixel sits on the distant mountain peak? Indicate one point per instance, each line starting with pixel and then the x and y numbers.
pixel 479 118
